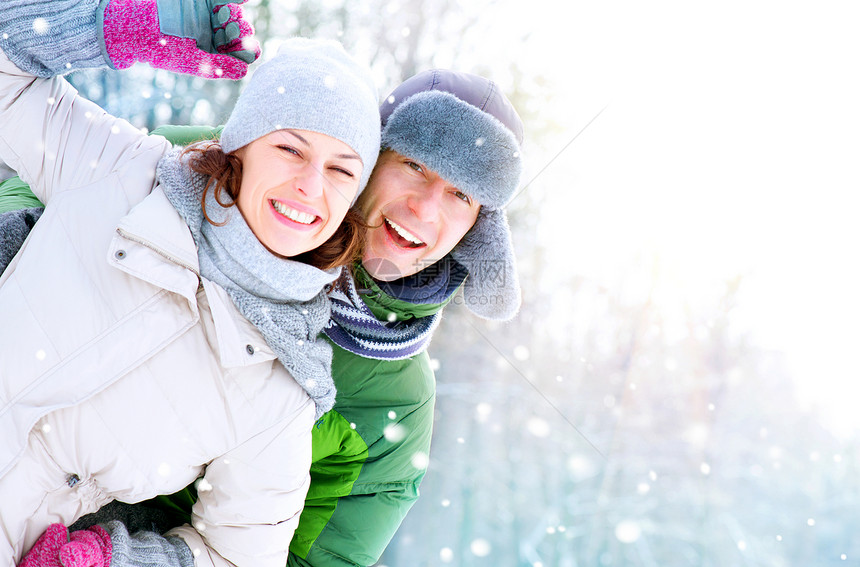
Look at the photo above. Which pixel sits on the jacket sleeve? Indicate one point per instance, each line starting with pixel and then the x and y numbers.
pixel 57 140
pixel 351 515
pixel 250 499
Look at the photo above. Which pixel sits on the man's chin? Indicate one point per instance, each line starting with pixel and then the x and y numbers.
pixel 384 270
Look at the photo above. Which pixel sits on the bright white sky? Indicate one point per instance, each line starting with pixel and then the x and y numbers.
pixel 730 145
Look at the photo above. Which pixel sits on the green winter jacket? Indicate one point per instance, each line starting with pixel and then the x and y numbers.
pixel 370 451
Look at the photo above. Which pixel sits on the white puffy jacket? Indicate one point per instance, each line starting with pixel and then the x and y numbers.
pixel 123 375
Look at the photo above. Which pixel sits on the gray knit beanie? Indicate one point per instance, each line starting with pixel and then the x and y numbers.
pixel 309 85
pixel 462 127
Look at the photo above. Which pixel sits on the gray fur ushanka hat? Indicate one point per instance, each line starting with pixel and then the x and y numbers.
pixel 462 127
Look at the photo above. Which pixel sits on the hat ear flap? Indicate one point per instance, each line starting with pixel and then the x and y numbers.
pixel 492 289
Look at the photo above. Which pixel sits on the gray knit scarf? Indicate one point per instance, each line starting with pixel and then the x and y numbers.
pixel 282 298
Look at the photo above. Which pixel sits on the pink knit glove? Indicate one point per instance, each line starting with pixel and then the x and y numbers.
pixel 206 38
pixel 83 548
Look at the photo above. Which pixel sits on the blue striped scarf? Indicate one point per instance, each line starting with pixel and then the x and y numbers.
pixel 355 328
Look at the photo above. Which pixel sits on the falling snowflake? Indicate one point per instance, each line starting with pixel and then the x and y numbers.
pixel 40 26
pixel 483 411
pixel 281 90
pixel 203 485
pixel 405 31
pixel 392 317
pixel 392 414
pixel 391 99
pixel 643 488
pixel 46 428
pixel 446 555
pixel 434 364
pixel 394 433
pixel 810 522
pixel 41 354
pixel 420 460
pixel 114 129
pixel 479 142
pixel 445 503
pixel 705 468
pixel 538 427
pixel 480 547
pixel 742 545
pixel 164 469
pixel 628 531
pixel 521 353
pixel 330 81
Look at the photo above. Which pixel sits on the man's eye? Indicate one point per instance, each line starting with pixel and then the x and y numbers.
pixel 463 197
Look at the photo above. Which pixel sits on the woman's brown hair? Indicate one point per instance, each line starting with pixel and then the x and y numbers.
pixel 224 171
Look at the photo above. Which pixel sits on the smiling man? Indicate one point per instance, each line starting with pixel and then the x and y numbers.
pixel 450 161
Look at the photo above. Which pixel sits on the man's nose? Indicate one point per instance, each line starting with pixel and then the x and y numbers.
pixel 427 202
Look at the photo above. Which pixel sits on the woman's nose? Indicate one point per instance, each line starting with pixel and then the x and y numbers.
pixel 310 182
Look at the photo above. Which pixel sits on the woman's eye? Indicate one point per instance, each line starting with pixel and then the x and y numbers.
pixel 415 166
pixel 345 172
pixel 290 149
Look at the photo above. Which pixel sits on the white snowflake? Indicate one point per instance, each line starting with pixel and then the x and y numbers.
pixel 521 353
pixel 446 555
pixel 330 81
pixel 391 99
pixel 394 433
pixel 392 414
pixel 41 354
pixel 420 460
pixel 40 26
pixel 480 547
pixel 538 427
pixel 628 531
pixel 203 485
pixel 479 142
pixel 164 469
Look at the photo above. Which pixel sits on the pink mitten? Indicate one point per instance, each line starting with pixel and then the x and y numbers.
pixel 206 38
pixel 56 548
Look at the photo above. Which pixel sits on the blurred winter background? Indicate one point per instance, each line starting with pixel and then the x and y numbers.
pixel 681 386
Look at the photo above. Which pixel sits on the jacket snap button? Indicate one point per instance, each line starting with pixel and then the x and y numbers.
pixel 120 254
pixel 250 349
pixel 72 480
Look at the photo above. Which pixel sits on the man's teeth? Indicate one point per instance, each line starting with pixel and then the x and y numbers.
pixel 293 214
pixel 404 233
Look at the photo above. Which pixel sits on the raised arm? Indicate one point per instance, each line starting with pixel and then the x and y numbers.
pixel 55 139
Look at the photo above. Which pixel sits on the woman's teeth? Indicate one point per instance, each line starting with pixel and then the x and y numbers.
pixel 292 214
pixel 404 233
